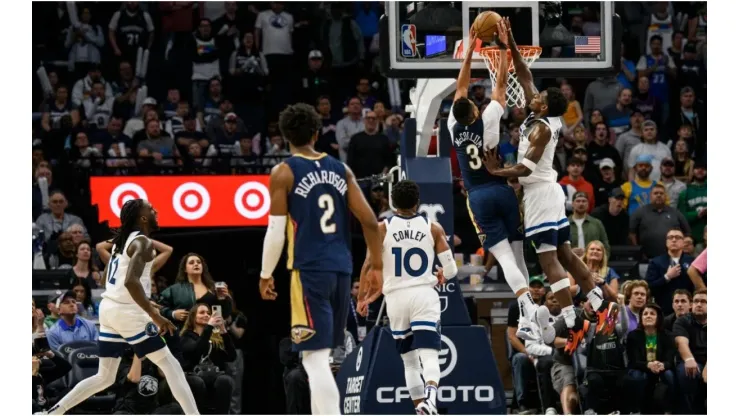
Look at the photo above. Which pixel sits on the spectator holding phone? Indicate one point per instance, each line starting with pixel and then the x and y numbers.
pixel 207 348
pixel 193 285
pixel 70 327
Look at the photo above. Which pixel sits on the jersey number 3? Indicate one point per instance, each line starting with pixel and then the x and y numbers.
pixel 403 261
pixel 326 202
pixel 472 151
pixel 112 269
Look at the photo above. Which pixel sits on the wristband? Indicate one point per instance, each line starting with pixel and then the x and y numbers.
pixel 689 359
pixel 529 164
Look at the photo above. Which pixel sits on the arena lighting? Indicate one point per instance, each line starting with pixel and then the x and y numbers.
pixel 187 201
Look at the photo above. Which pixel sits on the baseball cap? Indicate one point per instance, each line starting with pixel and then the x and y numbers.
pixel 617 193
pixel 644 159
pixel 606 163
pixel 649 123
pixel 537 279
pixel 68 294
pixel 230 117
pixel 315 54
pixel 53 298
pixel 580 195
pixel 149 101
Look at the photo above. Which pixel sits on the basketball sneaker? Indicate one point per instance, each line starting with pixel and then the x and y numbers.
pixel 426 408
pixel 576 335
pixel 537 327
pixel 606 318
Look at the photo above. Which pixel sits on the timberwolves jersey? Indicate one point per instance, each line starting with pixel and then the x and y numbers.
pixel 472 141
pixel 318 226
pixel 408 253
pixel 116 274
pixel 544 171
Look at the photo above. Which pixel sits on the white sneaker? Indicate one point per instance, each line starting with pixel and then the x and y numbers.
pixel 526 331
pixel 551 411
pixel 426 408
pixel 589 412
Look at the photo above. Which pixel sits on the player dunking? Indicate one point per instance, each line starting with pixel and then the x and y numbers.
pixel 544 201
pixel 310 195
pixel 410 242
pixel 127 317
pixel 493 205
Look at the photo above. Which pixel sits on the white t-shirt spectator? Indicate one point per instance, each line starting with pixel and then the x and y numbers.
pixel 83 87
pixel 277 31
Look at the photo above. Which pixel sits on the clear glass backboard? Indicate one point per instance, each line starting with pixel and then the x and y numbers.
pixel 427 39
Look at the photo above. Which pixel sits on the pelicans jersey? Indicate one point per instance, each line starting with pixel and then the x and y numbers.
pixel 319 255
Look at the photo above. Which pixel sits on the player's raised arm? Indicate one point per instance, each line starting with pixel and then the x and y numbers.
pixel 502 74
pixel 140 252
pixel 449 267
pixel 538 140
pixel 281 181
pixel 523 74
pixel 463 78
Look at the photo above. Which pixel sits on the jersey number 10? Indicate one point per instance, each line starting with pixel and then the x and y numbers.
pixel 112 269
pixel 403 261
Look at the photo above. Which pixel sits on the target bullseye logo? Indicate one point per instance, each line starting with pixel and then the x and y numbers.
pixel 191 201
pixel 124 193
pixel 252 200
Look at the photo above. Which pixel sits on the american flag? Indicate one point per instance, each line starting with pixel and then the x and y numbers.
pixel 588 44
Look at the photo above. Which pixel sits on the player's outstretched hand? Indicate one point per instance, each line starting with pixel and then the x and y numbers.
pixel 165 325
pixel 440 275
pixel 371 287
pixel 267 289
pixel 502 33
pixel 491 159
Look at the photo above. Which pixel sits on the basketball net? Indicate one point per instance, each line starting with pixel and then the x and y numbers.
pixel 514 92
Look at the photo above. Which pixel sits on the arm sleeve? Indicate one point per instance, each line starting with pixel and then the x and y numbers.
pixel 491 124
pixel 700 263
pixel 273 244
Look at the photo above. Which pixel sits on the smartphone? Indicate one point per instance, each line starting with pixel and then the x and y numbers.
pixel 41 345
pixel 216 310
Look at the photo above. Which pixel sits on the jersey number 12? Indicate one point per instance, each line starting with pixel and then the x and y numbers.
pixel 112 269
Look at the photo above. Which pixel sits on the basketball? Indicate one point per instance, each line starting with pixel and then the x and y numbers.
pixel 485 25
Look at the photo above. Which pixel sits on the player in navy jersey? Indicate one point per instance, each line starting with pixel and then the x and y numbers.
pixel 493 205
pixel 310 195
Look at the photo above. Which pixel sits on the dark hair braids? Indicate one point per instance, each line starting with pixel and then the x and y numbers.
pixel 557 104
pixel 299 123
pixel 129 223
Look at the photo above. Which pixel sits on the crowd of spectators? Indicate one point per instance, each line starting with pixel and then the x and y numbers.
pixel 204 99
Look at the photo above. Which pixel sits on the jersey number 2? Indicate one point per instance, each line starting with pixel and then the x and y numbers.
pixel 326 202
pixel 403 261
pixel 112 269
pixel 472 151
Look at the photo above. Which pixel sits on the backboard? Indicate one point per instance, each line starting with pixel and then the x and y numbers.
pixel 427 39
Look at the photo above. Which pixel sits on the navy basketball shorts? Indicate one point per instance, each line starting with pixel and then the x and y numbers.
pixel 494 210
pixel 319 304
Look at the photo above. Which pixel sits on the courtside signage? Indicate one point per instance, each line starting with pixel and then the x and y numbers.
pixel 187 201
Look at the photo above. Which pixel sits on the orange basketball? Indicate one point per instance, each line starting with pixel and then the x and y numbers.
pixel 485 25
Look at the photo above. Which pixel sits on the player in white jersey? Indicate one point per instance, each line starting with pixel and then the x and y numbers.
pixel 410 243
pixel 127 317
pixel 545 223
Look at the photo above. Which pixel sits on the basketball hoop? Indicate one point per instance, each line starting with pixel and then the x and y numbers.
pixel 514 92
